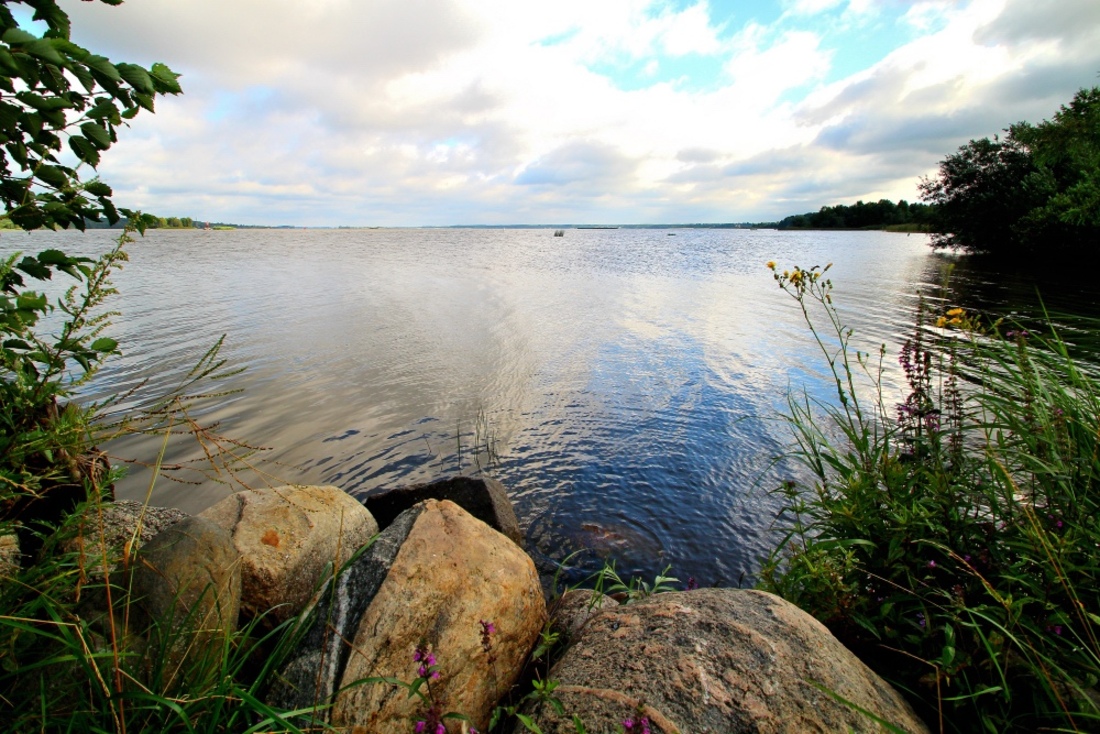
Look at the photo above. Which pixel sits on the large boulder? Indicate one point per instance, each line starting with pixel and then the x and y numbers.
pixel 286 536
pixel 717 660
pixel 313 671
pixel 187 584
pixel 484 498
pixel 450 573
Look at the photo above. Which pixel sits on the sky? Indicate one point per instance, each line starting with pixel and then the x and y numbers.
pixel 451 112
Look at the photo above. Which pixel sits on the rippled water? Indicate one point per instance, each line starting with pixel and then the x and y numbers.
pixel 628 380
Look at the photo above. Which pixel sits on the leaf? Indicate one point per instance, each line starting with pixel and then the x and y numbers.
pixel 16 344
pixel 528 723
pixel 136 77
pixel 84 150
pixel 46 51
pixel 97 135
pixel 103 344
pixel 165 79
pixel 52 175
pixel 98 188
pixel 103 67
pixel 34 268
pixel 18 37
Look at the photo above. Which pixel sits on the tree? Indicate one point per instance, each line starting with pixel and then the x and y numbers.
pixel 60 107
pixel 1035 189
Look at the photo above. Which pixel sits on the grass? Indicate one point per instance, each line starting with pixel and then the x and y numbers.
pixel 951 539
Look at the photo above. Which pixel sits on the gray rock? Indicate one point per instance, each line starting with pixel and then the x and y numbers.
pixel 571 612
pixel 107 527
pixel 287 536
pixel 717 660
pixel 484 498
pixel 313 671
pixel 187 583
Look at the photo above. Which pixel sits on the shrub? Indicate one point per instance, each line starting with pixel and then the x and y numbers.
pixel 951 540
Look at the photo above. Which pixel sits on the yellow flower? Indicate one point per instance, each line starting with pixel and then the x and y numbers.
pixel 941 322
pixel 771 264
pixel 955 312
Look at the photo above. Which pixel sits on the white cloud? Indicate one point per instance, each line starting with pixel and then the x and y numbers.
pixel 439 111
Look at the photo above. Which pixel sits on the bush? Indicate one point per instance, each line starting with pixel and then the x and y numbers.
pixel 952 540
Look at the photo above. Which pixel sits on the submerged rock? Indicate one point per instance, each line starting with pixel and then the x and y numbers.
pixel 717 660
pixel 286 537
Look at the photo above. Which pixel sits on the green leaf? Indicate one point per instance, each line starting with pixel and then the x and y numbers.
pixel 97 135
pixel 137 77
pixel 16 344
pixel 18 37
pixel 46 51
pixel 53 176
pixel 102 66
pixel 84 150
pixel 103 344
pixel 529 724
pixel 165 79
pixel 31 301
pixel 34 268
pixel 98 188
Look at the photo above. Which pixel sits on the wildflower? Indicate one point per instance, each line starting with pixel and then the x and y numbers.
pixel 642 722
pixel 921 620
pixel 955 312
pixel 931 564
pixel 427 661
pixel 771 264
pixel 692 583
pixel 941 322
pixel 487 629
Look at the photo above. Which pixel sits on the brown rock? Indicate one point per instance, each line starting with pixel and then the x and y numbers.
pixel 187 583
pixel 451 573
pixel 717 660
pixel 484 498
pixel 286 536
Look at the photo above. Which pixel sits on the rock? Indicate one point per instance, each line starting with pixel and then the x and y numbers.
pixel 575 607
pixel 9 555
pixel 286 536
pixel 717 660
pixel 187 582
pixel 484 498
pixel 452 573
pixel 115 524
pixel 430 577
pixel 313 671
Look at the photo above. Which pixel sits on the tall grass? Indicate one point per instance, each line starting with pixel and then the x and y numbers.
pixel 951 538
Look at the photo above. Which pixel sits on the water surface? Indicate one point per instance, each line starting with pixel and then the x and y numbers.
pixel 624 385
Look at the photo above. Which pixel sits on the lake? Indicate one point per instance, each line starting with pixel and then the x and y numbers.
pixel 625 385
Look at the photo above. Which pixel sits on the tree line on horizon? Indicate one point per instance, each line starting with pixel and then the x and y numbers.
pixel 861 215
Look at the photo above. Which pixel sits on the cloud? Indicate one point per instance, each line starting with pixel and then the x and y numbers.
pixel 404 112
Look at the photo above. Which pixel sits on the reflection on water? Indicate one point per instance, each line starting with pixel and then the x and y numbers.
pixel 628 382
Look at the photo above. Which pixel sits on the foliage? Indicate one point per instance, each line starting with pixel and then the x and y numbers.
pixel 952 540
pixel 52 91
pixel 861 215
pixel 1036 188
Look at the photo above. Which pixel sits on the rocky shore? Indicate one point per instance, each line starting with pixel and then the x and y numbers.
pixel 429 587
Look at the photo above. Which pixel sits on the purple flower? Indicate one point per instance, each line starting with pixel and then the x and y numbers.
pixel 931 564
pixel 921 620
pixel 420 727
pixel 692 583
